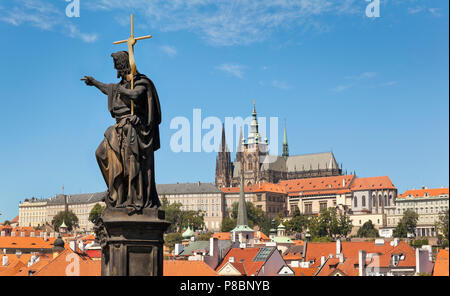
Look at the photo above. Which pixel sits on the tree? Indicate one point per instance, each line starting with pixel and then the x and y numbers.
pixel 180 219
pixel 95 213
pixel 194 219
pixel 256 217
pixel 297 223
pixel 7 222
pixel 69 218
pixel 345 225
pixel 205 236
pixel 329 223
pixel 228 224
pixel 407 224
pixel 171 239
pixel 367 230
pixel 442 224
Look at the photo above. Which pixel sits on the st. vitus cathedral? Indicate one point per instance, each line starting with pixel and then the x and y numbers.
pixel 255 163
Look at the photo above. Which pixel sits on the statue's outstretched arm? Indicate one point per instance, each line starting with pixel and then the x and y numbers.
pixel 100 85
pixel 132 94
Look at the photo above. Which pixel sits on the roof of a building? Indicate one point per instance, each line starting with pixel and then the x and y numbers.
pixel 372 183
pixel 12 268
pixel 294 252
pixel 85 198
pixel 248 261
pixel 18 242
pixel 299 271
pixel 441 265
pixel 195 246
pixel 314 252
pixel 425 193
pixel 300 163
pixel 188 233
pixel 257 188
pixel 222 235
pixel 182 188
pixel 60 266
pixel 331 185
pixel 187 268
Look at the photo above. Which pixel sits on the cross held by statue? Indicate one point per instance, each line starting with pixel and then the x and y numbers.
pixel 131 41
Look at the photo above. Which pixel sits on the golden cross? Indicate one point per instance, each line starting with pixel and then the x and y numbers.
pixel 131 42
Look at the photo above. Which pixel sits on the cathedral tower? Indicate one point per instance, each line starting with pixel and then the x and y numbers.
pixel 223 164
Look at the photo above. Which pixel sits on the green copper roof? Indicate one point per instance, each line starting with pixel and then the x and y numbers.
pixel 63 225
pixel 188 233
pixel 281 226
pixel 282 240
pixel 242 228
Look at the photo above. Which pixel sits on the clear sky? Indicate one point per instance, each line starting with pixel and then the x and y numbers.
pixel 372 90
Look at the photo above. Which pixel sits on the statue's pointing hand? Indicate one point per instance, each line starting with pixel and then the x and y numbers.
pixel 89 80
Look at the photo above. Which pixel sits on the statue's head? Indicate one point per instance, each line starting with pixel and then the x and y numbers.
pixel 121 63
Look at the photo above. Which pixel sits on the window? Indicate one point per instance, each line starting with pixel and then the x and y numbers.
pixel 323 206
pixel 308 208
pixel 355 202
pixel 380 200
pixel 363 201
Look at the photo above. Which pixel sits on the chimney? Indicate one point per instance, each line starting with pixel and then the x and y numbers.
pixel 81 246
pixel 2 233
pixel 362 262
pixel 73 246
pixel 31 234
pixel 395 242
pixel 178 249
pixel 338 247
pixel 343 182
pixel 45 236
pixel 213 247
pixel 22 234
pixel 341 258
pixel 231 259
pixel 322 261
pixel 5 260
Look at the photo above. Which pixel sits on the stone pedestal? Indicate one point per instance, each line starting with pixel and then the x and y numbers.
pixel 131 245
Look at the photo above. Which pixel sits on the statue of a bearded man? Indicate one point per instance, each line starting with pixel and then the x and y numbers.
pixel 126 155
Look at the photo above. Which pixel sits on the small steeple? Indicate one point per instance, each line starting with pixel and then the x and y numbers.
pixel 285 143
pixel 242 219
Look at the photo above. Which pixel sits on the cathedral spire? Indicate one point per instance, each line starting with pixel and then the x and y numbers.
pixel 223 144
pixel 253 135
pixel 285 143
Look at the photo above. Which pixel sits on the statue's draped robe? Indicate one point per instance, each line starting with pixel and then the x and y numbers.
pixel 126 155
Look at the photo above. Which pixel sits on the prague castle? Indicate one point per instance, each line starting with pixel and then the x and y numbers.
pixel 255 163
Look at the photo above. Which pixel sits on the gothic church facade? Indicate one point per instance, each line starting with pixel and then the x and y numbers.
pixel 256 165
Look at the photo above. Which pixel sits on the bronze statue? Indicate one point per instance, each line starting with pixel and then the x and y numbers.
pixel 126 155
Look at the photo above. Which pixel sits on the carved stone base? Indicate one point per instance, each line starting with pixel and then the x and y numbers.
pixel 131 245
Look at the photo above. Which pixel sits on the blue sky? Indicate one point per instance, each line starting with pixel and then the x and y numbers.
pixel 373 90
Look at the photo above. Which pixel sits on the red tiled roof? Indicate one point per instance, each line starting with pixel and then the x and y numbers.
pixel 187 268
pixel 441 265
pixel 421 192
pixel 372 183
pixel 60 265
pixel 318 186
pixel 12 268
pixel 298 271
pixel 17 242
pixel 263 187
pixel 243 260
pixel 222 235
pixel 314 251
